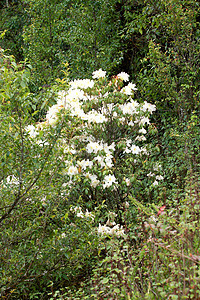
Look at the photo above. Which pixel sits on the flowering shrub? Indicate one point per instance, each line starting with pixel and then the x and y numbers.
pixel 106 149
pixel 88 150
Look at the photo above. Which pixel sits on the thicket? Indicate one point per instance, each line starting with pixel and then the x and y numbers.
pixel 99 195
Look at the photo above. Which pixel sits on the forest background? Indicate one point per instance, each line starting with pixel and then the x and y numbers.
pixel 50 248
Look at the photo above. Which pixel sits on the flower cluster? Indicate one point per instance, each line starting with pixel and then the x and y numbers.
pixel 116 230
pixel 12 180
pixel 79 94
pixel 77 210
pixel 98 74
pixel 32 131
pixel 109 229
pixel 156 174
pixel 107 143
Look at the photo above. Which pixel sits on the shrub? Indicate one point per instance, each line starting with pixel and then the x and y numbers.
pixel 88 151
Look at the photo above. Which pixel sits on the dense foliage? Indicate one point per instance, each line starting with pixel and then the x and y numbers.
pixel 99 177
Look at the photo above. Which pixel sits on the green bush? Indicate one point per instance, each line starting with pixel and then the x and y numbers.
pixel 158 258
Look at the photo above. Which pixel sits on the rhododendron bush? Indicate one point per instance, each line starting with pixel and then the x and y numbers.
pixel 106 147
pixel 64 179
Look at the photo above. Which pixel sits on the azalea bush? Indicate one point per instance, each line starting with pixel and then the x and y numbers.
pixel 106 153
pixel 65 179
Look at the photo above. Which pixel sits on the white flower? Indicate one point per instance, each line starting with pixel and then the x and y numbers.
pixel 94 180
pixel 89 215
pixel 157 167
pixel 122 120
pixel 128 89
pixel 76 94
pixel 155 183
pixel 131 123
pixel 128 182
pixel 94 117
pixel 108 161
pixel 100 118
pixel 107 108
pixel 117 230
pixel 106 230
pixel 32 131
pixel 103 229
pixel 132 86
pixel 113 230
pixel 85 163
pixel 144 120
pixel 12 180
pixel 52 114
pixel 62 98
pixel 79 113
pixel 100 161
pixel 134 104
pixel 135 149
pixel 43 200
pixel 80 214
pixel 142 130
pixel 107 148
pixel 72 171
pixel 98 74
pixel 123 76
pixel 128 143
pixel 148 106
pixel 150 174
pixel 127 204
pixel 70 150
pixel 129 108
pixel 93 147
pixel 109 180
pixel 127 150
pixel 144 150
pixel 82 83
pixel 140 138
pixel 42 143
pixel 159 177
pixel 75 209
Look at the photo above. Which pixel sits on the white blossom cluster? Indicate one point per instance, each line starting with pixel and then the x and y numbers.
pixel 32 131
pixel 103 159
pixel 116 230
pixel 111 228
pixel 94 106
pixel 12 180
pixel 77 210
pixel 74 99
pixel 157 177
